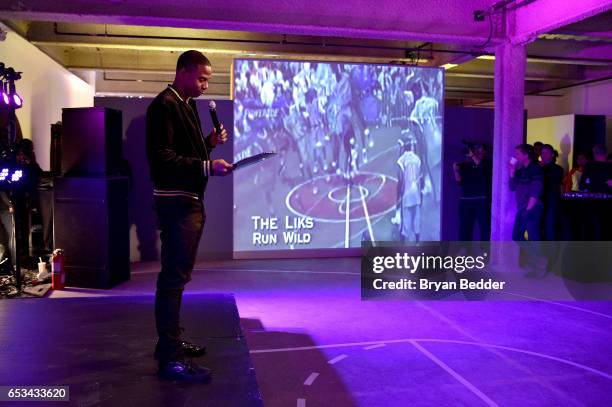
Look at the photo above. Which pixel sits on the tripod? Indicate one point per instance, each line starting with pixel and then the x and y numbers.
pixel 11 173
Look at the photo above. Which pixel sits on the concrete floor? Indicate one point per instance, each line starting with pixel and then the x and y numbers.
pixel 315 343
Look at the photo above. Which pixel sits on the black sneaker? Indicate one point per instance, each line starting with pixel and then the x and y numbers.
pixel 183 371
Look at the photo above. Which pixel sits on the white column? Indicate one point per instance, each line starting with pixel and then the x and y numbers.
pixel 510 62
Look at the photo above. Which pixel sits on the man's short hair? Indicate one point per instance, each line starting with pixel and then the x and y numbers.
pixel 600 149
pixel 190 60
pixel 551 148
pixel 526 149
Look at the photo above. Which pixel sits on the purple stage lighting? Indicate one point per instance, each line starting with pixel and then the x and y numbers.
pixel 17 101
pixel 11 175
pixel 17 175
pixel 5 98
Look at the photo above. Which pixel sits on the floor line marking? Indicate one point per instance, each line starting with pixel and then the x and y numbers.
pixel 337 359
pixel 562 305
pixel 278 271
pixel 456 375
pixel 544 382
pixel 380 345
pixel 410 340
pixel 310 380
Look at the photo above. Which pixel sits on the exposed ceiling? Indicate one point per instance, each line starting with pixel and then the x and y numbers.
pixel 139 60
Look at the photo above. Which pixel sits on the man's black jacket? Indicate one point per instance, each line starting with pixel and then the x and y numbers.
pixel 178 154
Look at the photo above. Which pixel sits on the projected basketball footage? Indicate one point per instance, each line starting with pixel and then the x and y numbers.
pixel 358 154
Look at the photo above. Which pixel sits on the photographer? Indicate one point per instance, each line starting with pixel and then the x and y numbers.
pixel 474 177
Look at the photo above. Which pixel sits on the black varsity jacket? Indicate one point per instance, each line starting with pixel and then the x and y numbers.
pixel 177 151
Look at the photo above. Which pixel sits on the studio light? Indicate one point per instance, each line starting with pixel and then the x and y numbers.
pixel 16 101
pixel 8 77
pixel 16 175
pixel 10 176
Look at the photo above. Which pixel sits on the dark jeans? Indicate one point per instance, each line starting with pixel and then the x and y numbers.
pixel 180 220
pixel 470 212
pixel 529 221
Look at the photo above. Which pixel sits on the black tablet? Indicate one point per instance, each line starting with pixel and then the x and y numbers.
pixel 245 162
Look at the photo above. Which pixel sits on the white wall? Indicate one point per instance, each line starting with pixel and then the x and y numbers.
pixel 46 88
pixel 595 99
pixel 558 131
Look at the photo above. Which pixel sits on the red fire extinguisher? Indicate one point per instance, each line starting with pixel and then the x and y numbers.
pixel 58 273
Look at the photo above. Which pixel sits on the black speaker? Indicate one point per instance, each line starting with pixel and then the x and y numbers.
pixel 91 225
pixel 91 141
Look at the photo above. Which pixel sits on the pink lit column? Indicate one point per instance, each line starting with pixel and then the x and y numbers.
pixel 510 61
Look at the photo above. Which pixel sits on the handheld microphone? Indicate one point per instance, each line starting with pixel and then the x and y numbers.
pixel 212 106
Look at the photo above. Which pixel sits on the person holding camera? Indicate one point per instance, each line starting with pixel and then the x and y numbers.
pixel 474 176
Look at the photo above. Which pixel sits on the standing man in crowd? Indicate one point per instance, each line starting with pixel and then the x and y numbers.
pixel 537 151
pixel 180 164
pixel 597 173
pixel 551 196
pixel 526 181
pixel 571 181
pixel 474 176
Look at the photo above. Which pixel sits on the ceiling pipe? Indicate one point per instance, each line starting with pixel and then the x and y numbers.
pixel 573 85
pixel 323 44
pixel 540 92
pixel 283 41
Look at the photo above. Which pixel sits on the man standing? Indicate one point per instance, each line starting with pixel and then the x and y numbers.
pixel 526 181
pixel 474 177
pixel 551 197
pixel 597 173
pixel 180 164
